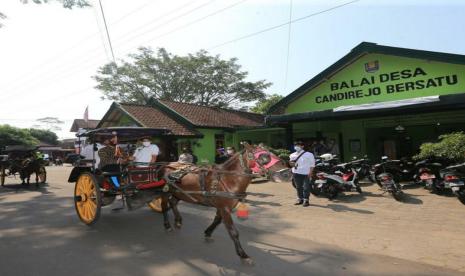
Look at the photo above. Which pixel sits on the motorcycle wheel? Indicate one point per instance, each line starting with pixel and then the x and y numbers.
pixel 315 190
pixel 332 192
pixel 461 196
pixel 397 194
pixel 358 189
pixel 434 189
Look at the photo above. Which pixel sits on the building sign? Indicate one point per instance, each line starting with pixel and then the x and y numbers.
pixel 378 78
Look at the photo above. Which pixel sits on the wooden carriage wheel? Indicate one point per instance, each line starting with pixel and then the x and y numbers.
pixel 42 175
pixel 87 198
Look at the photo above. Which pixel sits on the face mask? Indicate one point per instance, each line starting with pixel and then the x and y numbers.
pixel 297 148
pixel 230 152
pixel 146 144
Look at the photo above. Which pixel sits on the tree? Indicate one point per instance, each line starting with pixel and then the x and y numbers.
pixel 262 107
pixel 196 78
pixel 10 135
pixel 450 146
pixel 46 136
pixel 49 123
pixel 69 4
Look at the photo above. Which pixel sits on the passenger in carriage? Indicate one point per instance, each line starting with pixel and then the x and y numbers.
pixel 109 156
pixel 147 153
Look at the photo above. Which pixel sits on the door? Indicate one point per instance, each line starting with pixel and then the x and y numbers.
pixel 390 149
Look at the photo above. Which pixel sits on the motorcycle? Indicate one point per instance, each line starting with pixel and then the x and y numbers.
pixel 363 168
pixel 428 175
pixel 388 174
pixel 454 179
pixel 344 178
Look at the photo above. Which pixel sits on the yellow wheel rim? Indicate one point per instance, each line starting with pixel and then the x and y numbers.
pixel 87 205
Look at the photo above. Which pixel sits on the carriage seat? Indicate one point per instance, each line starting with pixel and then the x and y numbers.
pixel 111 170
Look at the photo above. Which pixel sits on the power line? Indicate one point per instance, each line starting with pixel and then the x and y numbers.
pixel 197 20
pixel 89 58
pixel 163 24
pixel 288 45
pixel 50 60
pixel 131 38
pixel 100 31
pixel 281 25
pixel 106 29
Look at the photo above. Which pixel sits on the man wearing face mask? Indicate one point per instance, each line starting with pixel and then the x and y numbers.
pixel 147 153
pixel 302 163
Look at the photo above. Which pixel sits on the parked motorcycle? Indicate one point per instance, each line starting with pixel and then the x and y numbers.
pixel 428 175
pixel 363 168
pixel 454 179
pixel 388 175
pixel 344 178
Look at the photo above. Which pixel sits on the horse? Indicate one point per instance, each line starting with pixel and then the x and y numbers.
pixel 222 187
pixel 25 169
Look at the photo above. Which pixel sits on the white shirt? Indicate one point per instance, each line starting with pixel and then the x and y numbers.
pixel 88 153
pixel 304 164
pixel 144 154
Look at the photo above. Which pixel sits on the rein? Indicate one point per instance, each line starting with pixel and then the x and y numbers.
pixel 213 192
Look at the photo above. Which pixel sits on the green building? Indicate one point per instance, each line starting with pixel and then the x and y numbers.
pixel 377 100
pixel 202 129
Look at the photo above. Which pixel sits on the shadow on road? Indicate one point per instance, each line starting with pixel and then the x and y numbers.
pixel 342 208
pixel 23 188
pixel 44 237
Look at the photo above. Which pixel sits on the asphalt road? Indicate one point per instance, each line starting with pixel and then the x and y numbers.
pixel 40 234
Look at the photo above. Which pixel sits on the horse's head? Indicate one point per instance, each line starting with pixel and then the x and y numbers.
pixel 260 160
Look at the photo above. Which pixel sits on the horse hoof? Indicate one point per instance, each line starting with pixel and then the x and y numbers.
pixel 248 261
pixel 209 239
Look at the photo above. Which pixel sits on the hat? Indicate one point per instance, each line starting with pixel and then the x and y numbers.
pixel 229 148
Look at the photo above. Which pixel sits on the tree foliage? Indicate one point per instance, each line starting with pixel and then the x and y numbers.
pixel 196 78
pixel 10 135
pixel 450 146
pixel 69 4
pixel 49 123
pixel 262 107
pixel 46 136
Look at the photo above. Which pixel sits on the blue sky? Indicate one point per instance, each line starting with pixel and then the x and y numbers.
pixel 49 53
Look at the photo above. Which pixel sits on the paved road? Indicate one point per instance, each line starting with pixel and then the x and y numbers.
pixel 41 235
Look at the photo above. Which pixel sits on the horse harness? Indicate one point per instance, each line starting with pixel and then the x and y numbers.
pixel 209 195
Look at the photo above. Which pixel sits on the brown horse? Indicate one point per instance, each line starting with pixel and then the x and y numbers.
pixel 222 187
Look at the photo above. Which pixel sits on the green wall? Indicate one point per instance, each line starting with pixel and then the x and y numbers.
pixel 371 132
pixel 397 78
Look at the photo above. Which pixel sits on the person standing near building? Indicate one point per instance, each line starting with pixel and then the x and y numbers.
pixel 302 163
pixel 147 153
pixel 186 157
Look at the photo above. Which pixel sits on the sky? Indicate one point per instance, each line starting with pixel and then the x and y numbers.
pixel 48 54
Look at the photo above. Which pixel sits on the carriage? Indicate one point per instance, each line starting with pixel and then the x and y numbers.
pixel 137 184
pixel 22 160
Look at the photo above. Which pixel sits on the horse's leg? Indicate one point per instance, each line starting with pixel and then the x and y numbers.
pixel 216 221
pixel 234 234
pixel 177 216
pixel 164 208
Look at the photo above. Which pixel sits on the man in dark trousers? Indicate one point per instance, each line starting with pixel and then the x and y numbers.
pixel 303 163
